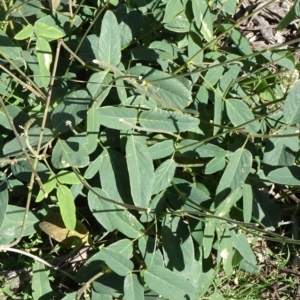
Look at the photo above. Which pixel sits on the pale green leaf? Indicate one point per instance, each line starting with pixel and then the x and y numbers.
pixel 128 224
pixel 162 149
pixel 225 206
pixel 44 55
pixel 67 177
pixel 173 8
pixel 163 176
pixel 193 148
pixel 116 261
pixel 203 18
pixel 117 118
pixel 25 33
pixel 167 120
pixel 285 175
pixel 169 284
pixel 67 207
pixel 48 187
pixel 239 113
pixel 247 202
pixel 93 168
pixel 109 44
pixel 141 171
pixel 44 30
pixel 133 290
pixel 215 165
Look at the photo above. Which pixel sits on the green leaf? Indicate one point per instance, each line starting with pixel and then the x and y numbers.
pixel 109 45
pixel 208 237
pixel 103 211
pixel 21 9
pixel 163 176
pixel 291 110
pixel 289 17
pixel 247 202
pixel 67 207
pixel 151 255
pixel 172 92
pixel 215 165
pixel 285 175
pixel 93 126
pixel 133 290
pixel 44 30
pixel 117 262
pixel 48 186
pixel 169 284
pixel 284 59
pixel 11 227
pixel 192 148
pixel 110 117
pixel 173 8
pixel 225 206
pixel 40 282
pixel 67 153
pixel 18 116
pixel 72 109
pixel 44 55
pixel 25 33
pixel 141 171
pixel 203 19
pixel 93 168
pixel 239 40
pixel 8 47
pixel 240 242
pixel 67 177
pixel 3 202
pixel 166 120
pixel 239 113
pixel 123 246
pixel 235 174
pixel 99 86
pixel 12 148
pixel 114 176
pixel 162 149
pixel 178 247
pixel 213 76
pixel 128 224
pixel 279 151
